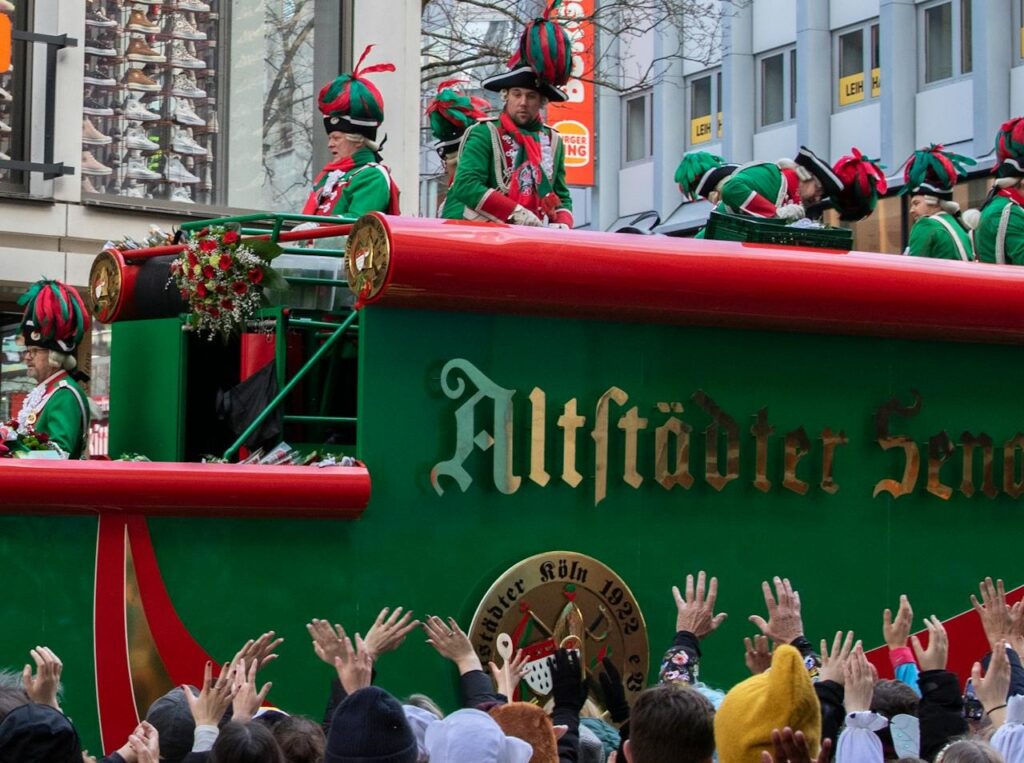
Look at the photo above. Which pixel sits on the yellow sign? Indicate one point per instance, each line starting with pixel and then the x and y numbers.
pixel 851 89
pixel 719 124
pixel 700 129
pixel 5 42
pixel 876 82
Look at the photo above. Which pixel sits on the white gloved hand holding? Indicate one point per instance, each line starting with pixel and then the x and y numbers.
pixel 791 212
pixel 522 216
pixel 306 226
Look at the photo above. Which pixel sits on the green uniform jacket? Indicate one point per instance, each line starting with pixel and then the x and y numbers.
pixel 987 234
pixel 364 188
pixel 930 238
pixel 486 156
pixel 65 417
pixel 758 190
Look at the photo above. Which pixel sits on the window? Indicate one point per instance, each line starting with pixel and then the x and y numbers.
pixel 705 108
pixel 946 44
pixel 637 129
pixel 856 56
pixel 777 81
pixel 1020 25
pixel 205 102
pixel 13 105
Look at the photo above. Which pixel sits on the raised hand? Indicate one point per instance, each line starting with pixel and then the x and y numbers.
pixel 993 688
pixel 260 650
pixel 859 681
pixel 41 687
pixel 995 615
pixel 508 676
pixel 758 655
pixel 791 747
pixel 214 698
pixel 833 666
pixel 328 640
pixel 388 632
pixel 935 656
pixel 248 699
pixel 696 611
pixel 144 742
pixel 784 623
pixel 354 665
pixel 896 632
pixel 451 642
pixel 567 687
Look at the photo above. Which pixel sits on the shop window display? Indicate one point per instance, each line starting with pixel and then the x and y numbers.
pixel 9 112
pixel 150 124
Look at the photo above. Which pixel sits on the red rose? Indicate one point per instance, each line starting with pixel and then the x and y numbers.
pixel 201 290
pixel 192 260
pixel 256 275
pixel 230 237
pixel 225 262
pixel 204 232
pixel 208 272
pixel 222 289
pixel 240 287
pixel 227 304
pixel 42 437
pixel 208 244
pixel 214 312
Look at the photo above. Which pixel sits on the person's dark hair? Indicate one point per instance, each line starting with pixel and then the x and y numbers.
pixel 671 723
pixel 301 740
pixel 10 698
pixel 245 743
pixel 969 751
pixel 890 698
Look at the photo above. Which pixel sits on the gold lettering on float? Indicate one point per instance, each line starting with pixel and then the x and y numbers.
pixel 912 455
pixel 538 435
pixel 969 443
pixel 1013 485
pixel 631 423
pixel 761 430
pixel 677 429
pixel 570 424
pixel 830 441
pixel 798 445
pixel 940 450
pixel 600 435
pixel 719 418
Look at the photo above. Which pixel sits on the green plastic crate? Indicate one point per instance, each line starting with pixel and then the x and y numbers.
pixel 726 227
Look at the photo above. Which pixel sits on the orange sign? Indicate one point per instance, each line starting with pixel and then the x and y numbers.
pixel 574 119
pixel 5 42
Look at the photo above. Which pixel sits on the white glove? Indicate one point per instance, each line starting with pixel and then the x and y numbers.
pixel 562 226
pixel 791 212
pixel 522 216
pixel 305 226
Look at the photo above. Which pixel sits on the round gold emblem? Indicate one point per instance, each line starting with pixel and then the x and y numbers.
pixel 563 599
pixel 104 286
pixel 367 257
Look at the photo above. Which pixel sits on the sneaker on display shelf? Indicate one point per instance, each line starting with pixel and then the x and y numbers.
pixel 136 79
pixel 138 21
pixel 5 157
pixel 181 57
pixel 212 125
pixel 103 45
pixel 87 185
pixel 135 192
pixel 185 86
pixel 184 114
pixel 193 6
pixel 137 170
pixel 4 127
pixel 138 50
pixel 96 107
pixel 177 173
pixel 182 195
pixel 135 110
pixel 97 18
pixel 184 143
pixel 183 30
pixel 136 138
pixel 92 136
pixel 91 166
pixel 99 77
pixel 6 96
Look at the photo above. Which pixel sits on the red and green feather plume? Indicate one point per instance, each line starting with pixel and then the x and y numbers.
pixel 1010 140
pixel 934 169
pixel 546 48
pixel 863 182
pixel 56 312
pixel 692 168
pixel 354 96
pixel 451 111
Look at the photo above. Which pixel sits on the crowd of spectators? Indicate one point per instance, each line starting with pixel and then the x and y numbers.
pixel 800 705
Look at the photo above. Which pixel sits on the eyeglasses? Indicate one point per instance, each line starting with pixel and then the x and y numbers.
pixel 31 353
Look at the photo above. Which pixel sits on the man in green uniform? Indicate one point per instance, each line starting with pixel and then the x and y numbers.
pixel 512 169
pixel 938 231
pixel 451 113
pixel 355 182
pixel 1000 233
pixel 57 410
pixel 784 190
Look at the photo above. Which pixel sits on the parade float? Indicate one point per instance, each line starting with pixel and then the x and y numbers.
pixel 543 431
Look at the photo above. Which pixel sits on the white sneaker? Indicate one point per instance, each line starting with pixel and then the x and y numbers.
pixel 137 170
pixel 184 114
pixel 5 157
pixel 185 86
pixel 136 138
pixel 183 143
pixel 134 110
pixel 182 195
pixel 193 5
pixel 4 127
pixel 183 30
pixel 92 166
pixel 6 96
pixel 175 172
pixel 136 192
pixel 181 57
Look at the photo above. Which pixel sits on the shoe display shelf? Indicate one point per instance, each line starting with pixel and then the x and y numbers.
pixel 7 116
pixel 150 126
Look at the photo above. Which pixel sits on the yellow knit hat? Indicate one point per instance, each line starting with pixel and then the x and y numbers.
pixel 781 696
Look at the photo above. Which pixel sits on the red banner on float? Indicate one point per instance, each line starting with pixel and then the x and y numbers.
pixel 574 119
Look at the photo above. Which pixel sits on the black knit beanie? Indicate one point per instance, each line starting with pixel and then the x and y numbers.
pixel 369 726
